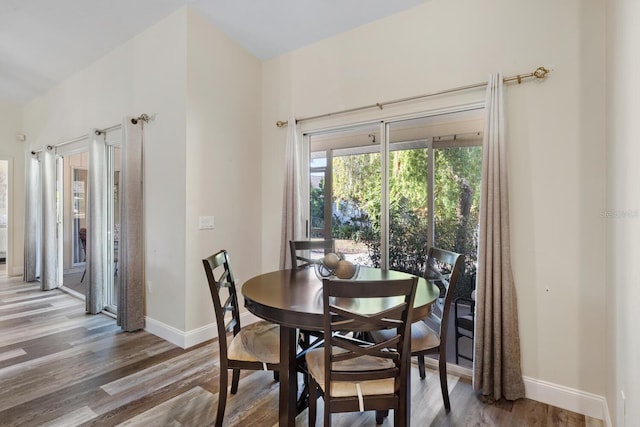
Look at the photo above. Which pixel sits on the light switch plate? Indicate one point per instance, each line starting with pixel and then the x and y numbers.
pixel 206 222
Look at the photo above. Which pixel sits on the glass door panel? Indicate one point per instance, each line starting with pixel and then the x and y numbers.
pixel 457 169
pixel 319 185
pixel 410 201
pixel 345 181
pixel 72 195
pixel 112 286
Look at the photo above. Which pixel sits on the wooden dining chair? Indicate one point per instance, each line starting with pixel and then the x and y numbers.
pixel 429 336
pixel 299 261
pixel 464 323
pixel 355 375
pixel 256 346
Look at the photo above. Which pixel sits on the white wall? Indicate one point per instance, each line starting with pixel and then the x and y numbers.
pixel 555 132
pixel 13 151
pixel 145 75
pixel 223 161
pixel 623 207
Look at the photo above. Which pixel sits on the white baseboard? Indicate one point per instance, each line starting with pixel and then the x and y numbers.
pixel 607 415
pixel 190 338
pixel 579 401
pixel 16 271
pixel 563 397
pixel 567 398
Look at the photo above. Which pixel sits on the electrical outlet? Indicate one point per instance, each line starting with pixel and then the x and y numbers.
pixel 206 222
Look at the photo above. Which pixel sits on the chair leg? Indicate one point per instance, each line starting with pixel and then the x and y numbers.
pixel 313 402
pixel 457 350
pixel 423 374
pixel 235 380
pixel 442 367
pixel 222 395
pixel 327 410
pixel 276 376
pixel 381 415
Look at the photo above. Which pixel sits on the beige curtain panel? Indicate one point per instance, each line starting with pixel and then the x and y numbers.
pixel 131 257
pixel 49 211
pixel 292 221
pixel 96 223
pixel 32 192
pixel 497 373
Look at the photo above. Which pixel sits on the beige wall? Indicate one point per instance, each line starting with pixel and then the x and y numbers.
pixel 223 160
pixel 202 155
pixel 13 151
pixel 555 134
pixel 216 107
pixel 145 75
pixel 623 207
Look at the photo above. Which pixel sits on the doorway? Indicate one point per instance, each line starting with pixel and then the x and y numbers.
pixel 73 175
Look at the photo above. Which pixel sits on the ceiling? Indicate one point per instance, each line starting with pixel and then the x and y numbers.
pixel 42 42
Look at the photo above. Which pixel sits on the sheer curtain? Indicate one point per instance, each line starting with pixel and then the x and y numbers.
pixel 32 197
pixel 131 251
pixel 96 223
pixel 49 270
pixel 497 371
pixel 292 212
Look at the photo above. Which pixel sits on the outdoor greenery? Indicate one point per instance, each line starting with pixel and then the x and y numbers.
pixel 456 186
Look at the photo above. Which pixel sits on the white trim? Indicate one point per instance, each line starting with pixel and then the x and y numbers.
pixel 556 395
pixel 164 331
pixel 607 415
pixel 193 337
pixel 452 368
pixel 582 402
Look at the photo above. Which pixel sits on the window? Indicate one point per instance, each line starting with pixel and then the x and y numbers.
pixel 388 191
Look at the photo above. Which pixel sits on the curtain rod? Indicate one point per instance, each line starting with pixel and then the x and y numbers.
pixel 143 117
pixel 539 73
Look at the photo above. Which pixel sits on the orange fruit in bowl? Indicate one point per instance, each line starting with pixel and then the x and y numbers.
pixel 345 269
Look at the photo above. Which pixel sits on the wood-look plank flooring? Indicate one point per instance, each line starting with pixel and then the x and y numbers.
pixel 62 367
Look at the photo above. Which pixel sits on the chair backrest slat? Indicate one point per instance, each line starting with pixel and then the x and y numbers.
pixel 339 348
pixel 443 268
pixel 220 276
pixel 299 261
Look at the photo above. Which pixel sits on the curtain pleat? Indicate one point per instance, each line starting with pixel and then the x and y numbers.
pixel 131 250
pixel 32 195
pixel 497 371
pixel 96 223
pixel 49 273
pixel 292 220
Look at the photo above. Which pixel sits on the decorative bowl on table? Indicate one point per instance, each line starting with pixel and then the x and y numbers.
pixel 335 266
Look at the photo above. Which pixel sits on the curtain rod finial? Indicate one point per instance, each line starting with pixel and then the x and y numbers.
pixel 541 72
pixel 281 124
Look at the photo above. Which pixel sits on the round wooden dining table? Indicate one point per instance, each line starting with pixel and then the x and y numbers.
pixel 293 299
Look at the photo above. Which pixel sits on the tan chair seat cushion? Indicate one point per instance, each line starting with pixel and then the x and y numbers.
pixel 422 337
pixel 315 363
pixel 257 342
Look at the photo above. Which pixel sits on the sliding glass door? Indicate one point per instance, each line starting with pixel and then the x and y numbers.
pixel 74 219
pixel 388 191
